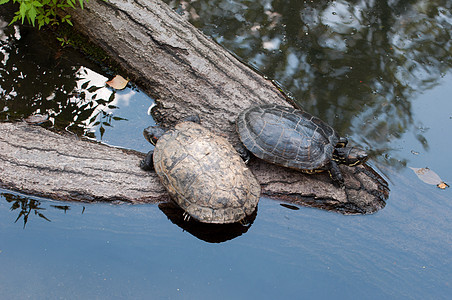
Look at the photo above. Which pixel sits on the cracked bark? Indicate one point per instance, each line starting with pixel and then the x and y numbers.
pixel 187 74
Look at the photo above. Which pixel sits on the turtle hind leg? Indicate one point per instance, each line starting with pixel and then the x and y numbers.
pixel 336 174
pixel 147 164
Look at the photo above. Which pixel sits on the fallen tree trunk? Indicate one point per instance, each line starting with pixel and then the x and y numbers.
pixel 187 74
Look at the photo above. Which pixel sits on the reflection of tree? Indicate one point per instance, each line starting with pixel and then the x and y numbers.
pixel 25 206
pixel 38 76
pixel 356 64
pixel 64 208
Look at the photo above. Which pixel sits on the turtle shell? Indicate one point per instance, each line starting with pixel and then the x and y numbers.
pixel 287 136
pixel 204 174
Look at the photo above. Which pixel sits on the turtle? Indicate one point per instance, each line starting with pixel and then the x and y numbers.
pixel 202 172
pixel 293 138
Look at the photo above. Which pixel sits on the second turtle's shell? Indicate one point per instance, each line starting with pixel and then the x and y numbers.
pixel 287 136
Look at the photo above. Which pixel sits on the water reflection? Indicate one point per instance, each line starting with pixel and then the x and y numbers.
pixel 25 207
pixel 64 208
pixel 212 233
pixel 28 206
pixel 355 64
pixel 38 76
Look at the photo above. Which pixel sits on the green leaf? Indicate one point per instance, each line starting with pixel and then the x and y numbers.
pixel 14 19
pixel 23 10
pixel 69 3
pixel 32 15
pixel 3 1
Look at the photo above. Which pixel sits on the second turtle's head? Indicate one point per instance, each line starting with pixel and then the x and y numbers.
pixel 153 133
pixel 350 156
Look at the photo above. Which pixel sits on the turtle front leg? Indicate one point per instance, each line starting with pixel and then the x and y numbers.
pixel 147 164
pixel 336 174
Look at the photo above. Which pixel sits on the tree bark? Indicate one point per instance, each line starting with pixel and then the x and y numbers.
pixel 187 73
pixel 37 161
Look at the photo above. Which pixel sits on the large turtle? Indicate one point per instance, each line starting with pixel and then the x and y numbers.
pixel 293 138
pixel 202 172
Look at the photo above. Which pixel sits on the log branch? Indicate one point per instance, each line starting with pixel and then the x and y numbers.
pixel 187 73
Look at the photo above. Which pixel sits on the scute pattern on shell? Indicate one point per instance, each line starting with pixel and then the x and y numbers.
pixel 287 136
pixel 204 174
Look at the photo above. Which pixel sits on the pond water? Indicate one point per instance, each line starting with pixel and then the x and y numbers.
pixel 378 71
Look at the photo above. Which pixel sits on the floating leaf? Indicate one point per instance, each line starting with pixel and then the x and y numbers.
pixel 442 185
pixel 118 82
pixel 430 177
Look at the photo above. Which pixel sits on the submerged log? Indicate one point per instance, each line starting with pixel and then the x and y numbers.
pixel 187 73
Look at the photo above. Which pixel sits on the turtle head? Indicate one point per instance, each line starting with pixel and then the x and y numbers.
pixel 350 156
pixel 153 133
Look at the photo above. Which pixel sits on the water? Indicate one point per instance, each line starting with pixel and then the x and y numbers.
pixel 104 251
pixel 380 73
pixel 38 76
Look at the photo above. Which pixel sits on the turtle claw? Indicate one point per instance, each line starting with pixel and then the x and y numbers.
pixel 186 216
pixel 245 222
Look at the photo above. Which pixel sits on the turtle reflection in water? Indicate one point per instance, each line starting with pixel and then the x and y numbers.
pixel 208 232
pixel 202 172
pixel 293 138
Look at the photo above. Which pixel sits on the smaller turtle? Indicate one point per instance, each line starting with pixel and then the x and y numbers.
pixel 202 172
pixel 295 139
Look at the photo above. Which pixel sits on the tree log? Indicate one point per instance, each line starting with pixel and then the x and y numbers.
pixel 187 73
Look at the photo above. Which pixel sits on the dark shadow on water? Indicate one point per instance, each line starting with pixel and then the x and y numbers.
pixel 211 233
